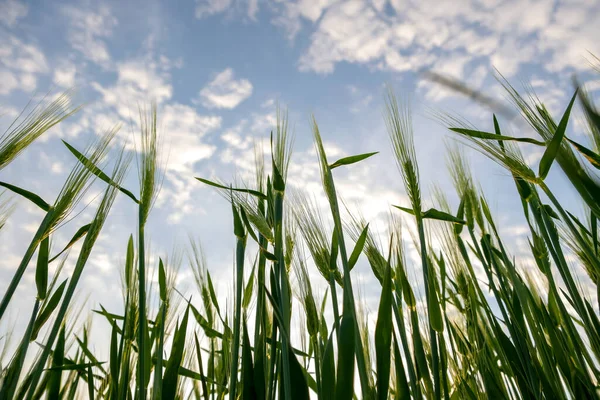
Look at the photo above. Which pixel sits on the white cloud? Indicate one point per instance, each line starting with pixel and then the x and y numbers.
pixel 240 138
pixel 11 11
pixel 87 29
pixel 20 64
pixel 184 130
pixel 415 35
pixel 21 56
pixel 267 103
pixel 64 75
pixel 289 14
pixel 225 91
pixel 252 9
pixel 8 81
pixel 350 31
pixel 356 186
pixel 28 82
pixel 138 83
pixel 205 8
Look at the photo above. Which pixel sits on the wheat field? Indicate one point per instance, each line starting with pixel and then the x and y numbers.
pixel 475 325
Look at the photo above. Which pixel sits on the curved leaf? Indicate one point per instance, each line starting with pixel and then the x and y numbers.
pixel 162 280
pixel 344 388
pixel 57 366
pixel 81 232
pixel 494 136
pixel 41 269
pixel 200 367
pixel 249 388
pixel 171 374
pixel 297 378
pixel 383 336
pixel 249 191
pixel 328 371
pixel 591 156
pixel 34 198
pixel 351 159
pixel 405 209
pixel 358 248
pixel 47 310
pixel 554 146
pixel 98 172
pixel 432 213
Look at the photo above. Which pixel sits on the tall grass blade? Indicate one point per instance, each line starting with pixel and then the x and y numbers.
pixel 555 143
pixel 328 383
pixel 21 133
pixel 383 336
pixel 48 309
pixel 10 378
pixel 172 370
pixel 57 367
pixel 249 191
pixel 248 385
pixel 351 160
pixel 81 232
pixel 344 388
pixel 41 269
pixel 34 198
pixel 91 166
pixel 589 155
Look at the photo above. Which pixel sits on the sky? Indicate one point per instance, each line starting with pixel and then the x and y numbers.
pixel 217 71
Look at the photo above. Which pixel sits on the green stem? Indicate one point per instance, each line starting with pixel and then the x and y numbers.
pixel 14 283
pixel 64 307
pixel 141 310
pixel 348 300
pixel 432 334
pixel 281 274
pixel 158 368
pixel 259 325
pixel 334 301
pixel 401 329
pixel 315 342
pixel 240 251
pixel 558 257
pixel 272 362
pixel 565 217
pixel 121 350
pixel 11 379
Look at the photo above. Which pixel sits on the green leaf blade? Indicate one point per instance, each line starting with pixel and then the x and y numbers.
pixel 41 269
pixel 493 136
pixel 383 336
pixel 589 155
pixel 344 388
pixel 351 159
pixel 358 248
pixel 554 146
pixel 34 198
pixel 432 213
pixel 249 191
pixel 98 172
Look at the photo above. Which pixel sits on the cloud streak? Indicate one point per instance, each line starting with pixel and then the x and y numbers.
pixel 11 11
pixel 405 36
pixel 87 30
pixel 224 91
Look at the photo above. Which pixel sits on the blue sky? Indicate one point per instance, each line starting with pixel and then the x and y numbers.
pixel 218 68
